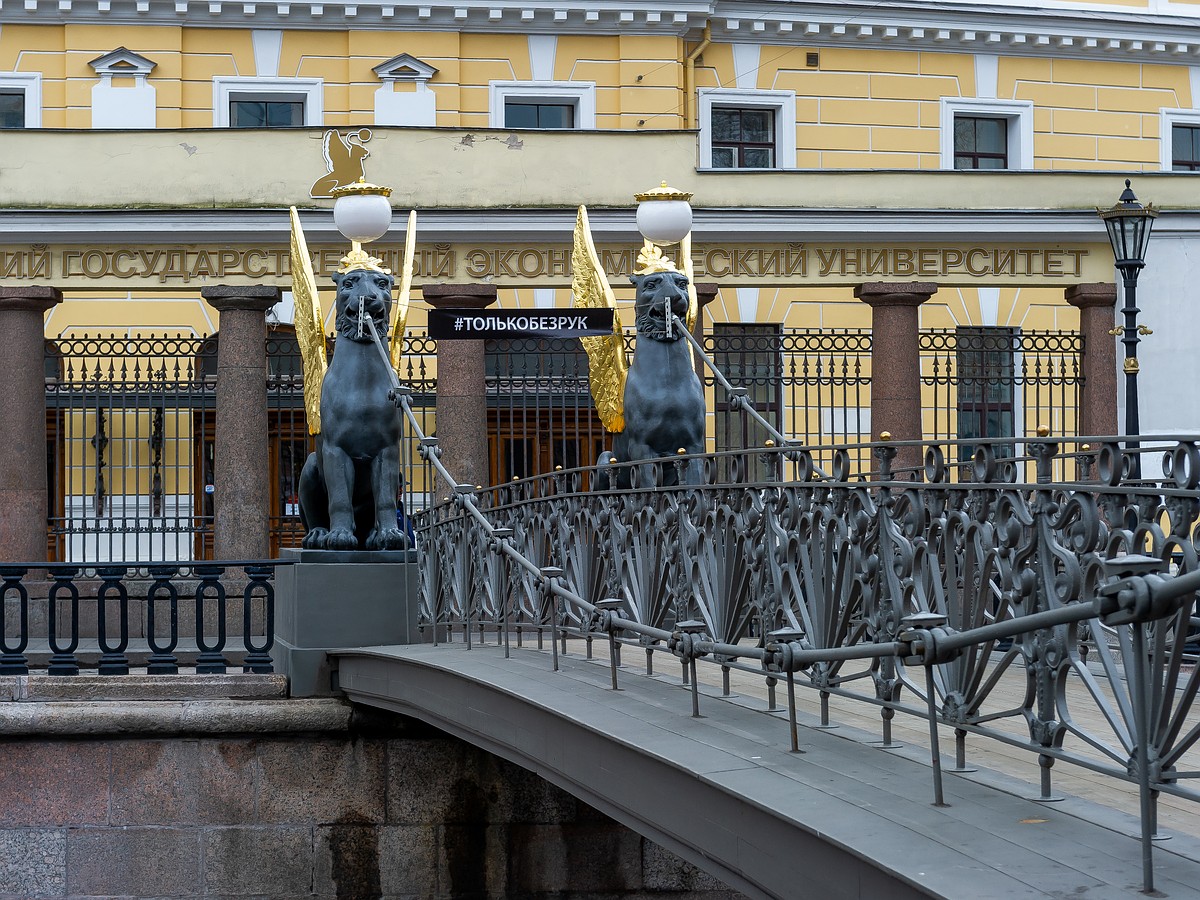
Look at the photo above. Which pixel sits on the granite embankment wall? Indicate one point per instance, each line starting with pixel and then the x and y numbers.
pixel 278 798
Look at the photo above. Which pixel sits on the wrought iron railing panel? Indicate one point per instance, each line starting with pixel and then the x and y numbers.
pixel 163 618
pixel 913 597
pixel 122 413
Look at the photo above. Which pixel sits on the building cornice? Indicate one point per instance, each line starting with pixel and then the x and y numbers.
pixel 995 28
pixel 505 226
pixel 1081 30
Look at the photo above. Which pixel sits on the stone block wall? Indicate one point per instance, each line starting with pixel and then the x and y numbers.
pixel 386 809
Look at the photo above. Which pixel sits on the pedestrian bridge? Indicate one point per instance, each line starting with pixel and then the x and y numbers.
pixel 1043 603
pixel 840 818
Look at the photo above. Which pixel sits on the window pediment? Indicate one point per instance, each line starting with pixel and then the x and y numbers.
pixel 123 61
pixel 404 67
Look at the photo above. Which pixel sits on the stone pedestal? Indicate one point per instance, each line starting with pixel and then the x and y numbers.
pixel 335 599
pixel 241 500
pixel 23 506
pixel 461 389
pixel 1097 305
pixel 896 361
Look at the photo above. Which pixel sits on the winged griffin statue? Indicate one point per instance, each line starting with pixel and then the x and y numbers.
pixel 654 406
pixel 349 484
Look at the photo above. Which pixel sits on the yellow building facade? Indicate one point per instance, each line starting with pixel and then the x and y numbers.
pixel 151 147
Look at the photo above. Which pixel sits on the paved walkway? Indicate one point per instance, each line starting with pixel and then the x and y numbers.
pixel 843 819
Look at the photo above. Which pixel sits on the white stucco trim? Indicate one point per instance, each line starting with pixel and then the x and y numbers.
pixel 1019 114
pixel 30 83
pixel 784 104
pixel 243 87
pixel 582 94
pixel 1168 119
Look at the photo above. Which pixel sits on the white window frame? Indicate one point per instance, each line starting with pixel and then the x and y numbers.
pixel 30 84
pixel 1018 113
pixel 1168 119
pixel 782 102
pixel 241 87
pixel 580 94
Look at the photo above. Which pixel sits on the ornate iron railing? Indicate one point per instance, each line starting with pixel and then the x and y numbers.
pixel 913 597
pixel 857 579
pixel 61 619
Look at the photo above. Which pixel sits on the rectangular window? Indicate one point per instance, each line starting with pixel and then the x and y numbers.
pixel 751 357
pixel 12 109
pixel 743 138
pixel 1185 148
pixel 281 113
pixel 539 115
pixel 986 358
pixel 980 142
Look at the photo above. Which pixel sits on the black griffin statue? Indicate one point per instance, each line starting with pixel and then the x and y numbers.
pixel 349 484
pixel 664 407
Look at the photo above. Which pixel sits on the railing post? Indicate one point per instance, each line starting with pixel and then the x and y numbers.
pixel 1097 305
pixel 896 361
pixel 461 402
pixel 241 526
pixel 23 502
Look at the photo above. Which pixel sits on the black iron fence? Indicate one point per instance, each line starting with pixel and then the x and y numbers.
pixel 63 619
pixel 127 475
pixel 1000 382
pixel 131 425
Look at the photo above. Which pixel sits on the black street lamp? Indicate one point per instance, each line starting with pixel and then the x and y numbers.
pixel 1129 225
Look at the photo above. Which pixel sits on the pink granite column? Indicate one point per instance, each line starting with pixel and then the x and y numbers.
pixel 23 501
pixel 896 361
pixel 241 456
pixel 706 293
pixel 1097 305
pixel 461 390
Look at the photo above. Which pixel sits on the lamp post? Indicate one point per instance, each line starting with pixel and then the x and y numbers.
pixel 1128 224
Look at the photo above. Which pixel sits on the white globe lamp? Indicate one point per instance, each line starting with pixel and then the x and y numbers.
pixel 664 215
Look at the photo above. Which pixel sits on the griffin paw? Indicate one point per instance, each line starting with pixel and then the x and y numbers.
pixel 341 539
pixel 315 539
pixel 387 539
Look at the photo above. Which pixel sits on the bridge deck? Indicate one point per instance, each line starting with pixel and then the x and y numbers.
pixel 842 819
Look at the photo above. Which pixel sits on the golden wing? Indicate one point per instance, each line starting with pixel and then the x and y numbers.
pixel 402 298
pixel 685 257
pixel 310 333
pixel 607 365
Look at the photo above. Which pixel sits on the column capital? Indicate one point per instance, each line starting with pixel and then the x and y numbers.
pixel 895 293
pixel 255 297
pixel 706 292
pixel 459 296
pixel 1086 296
pixel 39 297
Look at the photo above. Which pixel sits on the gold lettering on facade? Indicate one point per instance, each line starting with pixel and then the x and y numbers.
pixel 849 263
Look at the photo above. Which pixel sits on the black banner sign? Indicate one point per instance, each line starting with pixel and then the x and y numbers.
pixel 485 324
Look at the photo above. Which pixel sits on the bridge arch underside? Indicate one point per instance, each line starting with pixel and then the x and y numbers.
pixel 840 820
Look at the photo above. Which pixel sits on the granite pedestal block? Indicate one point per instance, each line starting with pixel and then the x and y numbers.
pixel 337 599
